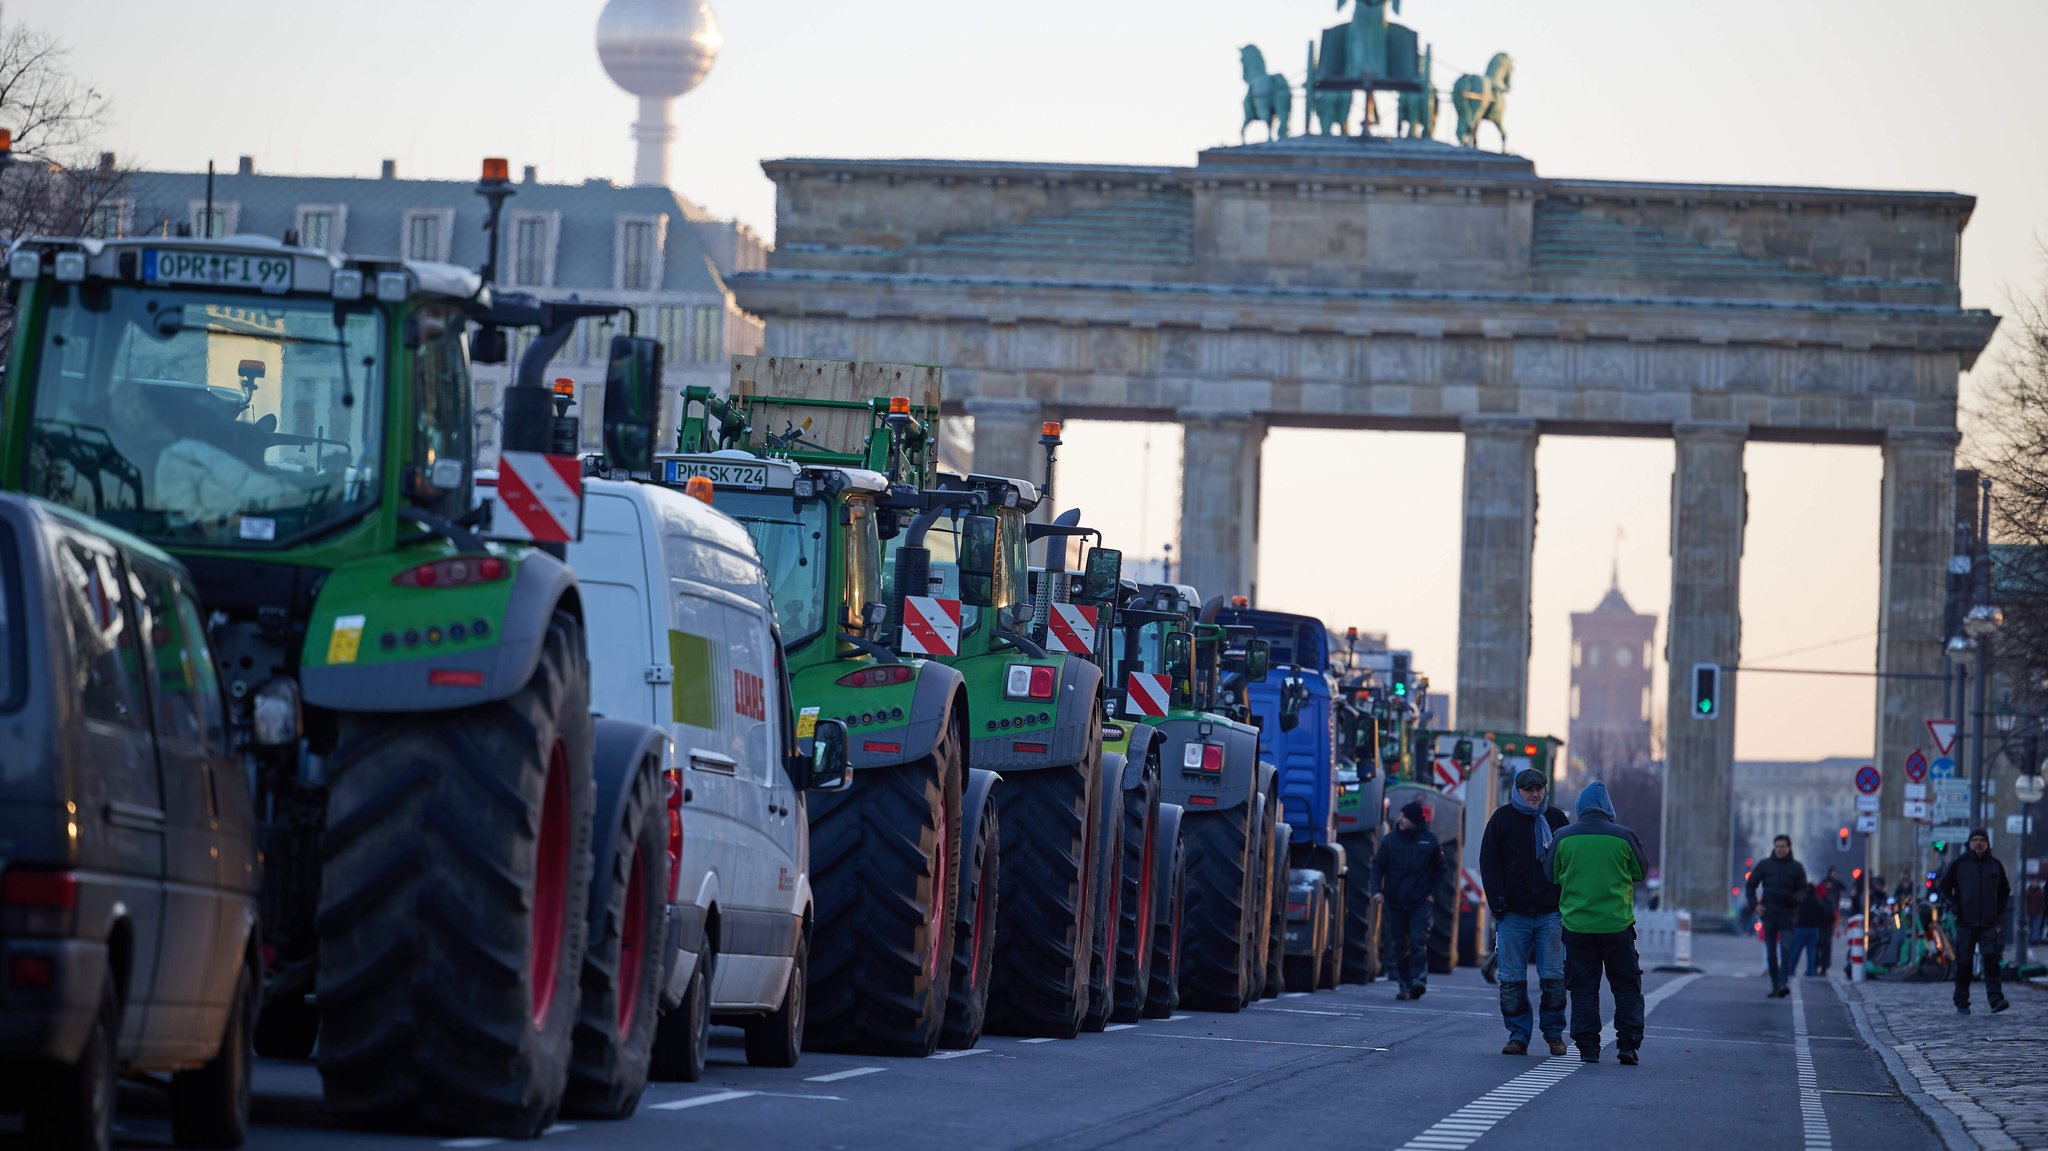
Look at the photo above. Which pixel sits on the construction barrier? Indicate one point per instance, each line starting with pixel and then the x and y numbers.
pixel 1664 940
pixel 1852 931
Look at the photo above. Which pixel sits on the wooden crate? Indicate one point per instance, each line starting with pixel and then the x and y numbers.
pixel 798 380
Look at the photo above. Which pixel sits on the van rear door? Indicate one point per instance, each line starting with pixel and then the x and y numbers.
pixel 612 572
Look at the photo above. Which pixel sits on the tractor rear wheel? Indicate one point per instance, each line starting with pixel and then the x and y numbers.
pixel 1134 934
pixel 1333 937
pixel 1361 914
pixel 1107 877
pixel 974 936
pixel 1215 953
pixel 1443 925
pixel 885 879
pixel 1044 913
pixel 1276 910
pixel 452 905
pixel 622 965
pixel 1162 989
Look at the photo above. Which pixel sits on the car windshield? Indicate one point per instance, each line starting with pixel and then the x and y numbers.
pixel 793 545
pixel 208 419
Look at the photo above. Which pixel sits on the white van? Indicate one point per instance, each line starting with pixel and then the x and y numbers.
pixel 682 635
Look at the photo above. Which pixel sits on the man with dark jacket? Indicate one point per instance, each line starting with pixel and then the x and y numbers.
pixel 1784 885
pixel 1832 900
pixel 1975 888
pixel 1596 864
pixel 1513 855
pixel 1405 875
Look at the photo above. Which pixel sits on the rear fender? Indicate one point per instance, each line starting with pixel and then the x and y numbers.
pixel 931 707
pixel 626 753
pixel 1167 853
pixel 981 784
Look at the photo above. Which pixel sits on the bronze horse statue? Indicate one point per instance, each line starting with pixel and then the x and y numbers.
pixel 1479 99
pixel 1268 97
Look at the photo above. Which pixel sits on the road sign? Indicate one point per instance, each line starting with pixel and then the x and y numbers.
pixel 1869 779
pixel 1866 804
pixel 1943 768
pixel 931 626
pixel 1916 765
pixel 1951 799
pixel 2029 788
pixel 1944 733
pixel 1916 809
pixel 1867 824
pixel 2016 824
pixel 1953 834
pixel 1916 791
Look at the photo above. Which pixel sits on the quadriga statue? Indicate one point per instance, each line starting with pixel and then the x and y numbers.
pixel 1268 97
pixel 1479 99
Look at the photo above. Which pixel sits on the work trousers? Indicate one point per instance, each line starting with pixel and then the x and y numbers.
pixel 1826 958
pixel 1778 946
pixel 1409 927
pixel 1586 957
pixel 1989 944
pixel 1518 941
pixel 1805 942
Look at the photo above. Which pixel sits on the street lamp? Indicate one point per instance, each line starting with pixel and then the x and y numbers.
pixel 1983 620
pixel 2005 717
pixel 1961 649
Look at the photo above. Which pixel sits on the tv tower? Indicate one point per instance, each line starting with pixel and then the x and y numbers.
pixel 657 50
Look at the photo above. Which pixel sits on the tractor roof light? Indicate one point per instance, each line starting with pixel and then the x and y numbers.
pixel 1240 601
pixel 564 386
pixel 70 266
pixel 393 287
pixel 700 487
pixel 497 170
pixel 25 264
pixel 899 405
pixel 348 284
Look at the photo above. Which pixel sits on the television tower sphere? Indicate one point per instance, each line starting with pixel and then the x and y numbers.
pixel 661 48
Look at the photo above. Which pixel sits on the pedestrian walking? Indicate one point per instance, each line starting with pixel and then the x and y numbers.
pixel 1831 899
pixel 1406 872
pixel 2037 904
pixel 1514 857
pixel 1782 880
pixel 1596 863
pixel 1975 888
pixel 1806 931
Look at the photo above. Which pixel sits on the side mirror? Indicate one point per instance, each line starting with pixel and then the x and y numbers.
pixel 1461 753
pixel 978 560
pixel 1101 576
pixel 1017 616
pixel 1177 652
pixel 489 346
pixel 632 402
pixel 829 766
pixel 1259 662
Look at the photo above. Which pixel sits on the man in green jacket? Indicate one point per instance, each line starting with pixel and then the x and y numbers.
pixel 1596 864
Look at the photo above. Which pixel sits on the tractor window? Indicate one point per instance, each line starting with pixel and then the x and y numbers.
pixel 793 544
pixel 1013 559
pixel 207 419
pixel 441 370
pixel 863 559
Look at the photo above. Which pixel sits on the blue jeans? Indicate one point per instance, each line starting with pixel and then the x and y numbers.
pixel 1805 941
pixel 1519 940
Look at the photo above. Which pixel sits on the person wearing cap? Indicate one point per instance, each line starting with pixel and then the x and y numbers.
pixel 1596 864
pixel 1977 891
pixel 1405 875
pixel 1513 858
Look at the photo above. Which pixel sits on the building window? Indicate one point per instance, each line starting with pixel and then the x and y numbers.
pixel 212 225
pixel 109 220
pixel 1578 653
pixel 321 226
pixel 532 250
pixel 639 253
pixel 1575 702
pixel 672 329
pixel 1593 656
pixel 1623 657
pixel 427 233
pixel 704 335
pixel 1646 703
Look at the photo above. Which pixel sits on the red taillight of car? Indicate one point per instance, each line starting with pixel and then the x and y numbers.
pixel 880 675
pixel 32 971
pixel 672 779
pixel 41 890
pixel 454 677
pixel 461 571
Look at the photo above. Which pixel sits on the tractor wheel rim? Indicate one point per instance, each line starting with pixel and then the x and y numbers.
pixel 632 947
pixel 550 885
pixel 941 866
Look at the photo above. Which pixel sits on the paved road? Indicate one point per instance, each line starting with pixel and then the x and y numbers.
pixel 1722 1068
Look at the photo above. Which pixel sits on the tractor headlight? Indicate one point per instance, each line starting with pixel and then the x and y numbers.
pixel 275 708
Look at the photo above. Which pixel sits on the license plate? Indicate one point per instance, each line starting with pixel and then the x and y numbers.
pixel 752 477
pixel 224 269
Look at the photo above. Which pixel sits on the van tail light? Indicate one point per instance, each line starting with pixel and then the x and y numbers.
pixel 38 902
pixel 461 571
pixel 672 779
pixel 880 675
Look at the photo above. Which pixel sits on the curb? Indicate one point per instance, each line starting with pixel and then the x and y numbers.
pixel 1912 1080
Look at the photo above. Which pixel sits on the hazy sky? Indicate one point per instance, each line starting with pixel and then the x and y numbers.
pixel 1359 527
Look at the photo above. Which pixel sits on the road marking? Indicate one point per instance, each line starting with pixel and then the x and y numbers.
pixel 560 1129
pixel 1173 1019
pixel 836 1076
pixel 471 1142
pixel 1464 1126
pixel 959 1054
pixel 703 1100
pixel 1039 1040
pixel 1812 1116
pixel 1293 994
pixel 1264 1042
pixel 1120 1027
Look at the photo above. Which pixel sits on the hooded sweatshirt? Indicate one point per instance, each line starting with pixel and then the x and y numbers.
pixel 1596 863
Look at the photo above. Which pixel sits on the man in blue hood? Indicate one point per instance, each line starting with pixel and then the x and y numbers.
pixel 1596 864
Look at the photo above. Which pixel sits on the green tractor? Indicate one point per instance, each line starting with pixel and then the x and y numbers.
pixel 1183 679
pixel 904 938
pixel 450 838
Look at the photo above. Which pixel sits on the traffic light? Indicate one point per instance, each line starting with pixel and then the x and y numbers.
pixel 1842 840
pixel 1706 691
pixel 1402 663
pixel 1856 874
pixel 1940 846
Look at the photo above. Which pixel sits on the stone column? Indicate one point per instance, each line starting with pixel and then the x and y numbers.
pixel 1494 574
pixel 1219 502
pixel 1916 535
pixel 1006 437
pixel 1709 510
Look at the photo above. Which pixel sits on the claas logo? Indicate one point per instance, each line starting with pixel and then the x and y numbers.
pixel 749 695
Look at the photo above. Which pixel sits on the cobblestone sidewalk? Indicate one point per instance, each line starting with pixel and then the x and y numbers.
pixel 1990 1072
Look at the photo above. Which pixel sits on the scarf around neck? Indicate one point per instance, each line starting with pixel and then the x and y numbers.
pixel 1543 834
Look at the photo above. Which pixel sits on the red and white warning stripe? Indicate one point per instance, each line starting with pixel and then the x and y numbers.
pixel 1147 693
pixel 544 495
pixel 1447 776
pixel 1072 628
pixel 931 626
pixel 1475 887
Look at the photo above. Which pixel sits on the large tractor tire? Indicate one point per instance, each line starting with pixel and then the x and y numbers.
pixel 1301 970
pixel 1276 910
pixel 1361 914
pixel 1106 876
pixel 1169 890
pixel 974 936
pixel 1216 955
pixel 1443 924
pixel 1333 937
pixel 885 879
pixel 1134 952
pixel 453 906
pixel 1045 922
pixel 623 962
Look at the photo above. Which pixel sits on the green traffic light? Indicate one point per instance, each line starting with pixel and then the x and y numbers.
pixel 1940 847
pixel 1706 707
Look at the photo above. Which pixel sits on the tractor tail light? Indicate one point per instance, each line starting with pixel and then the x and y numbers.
pixel 460 571
pixel 880 675
pixel 1028 681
